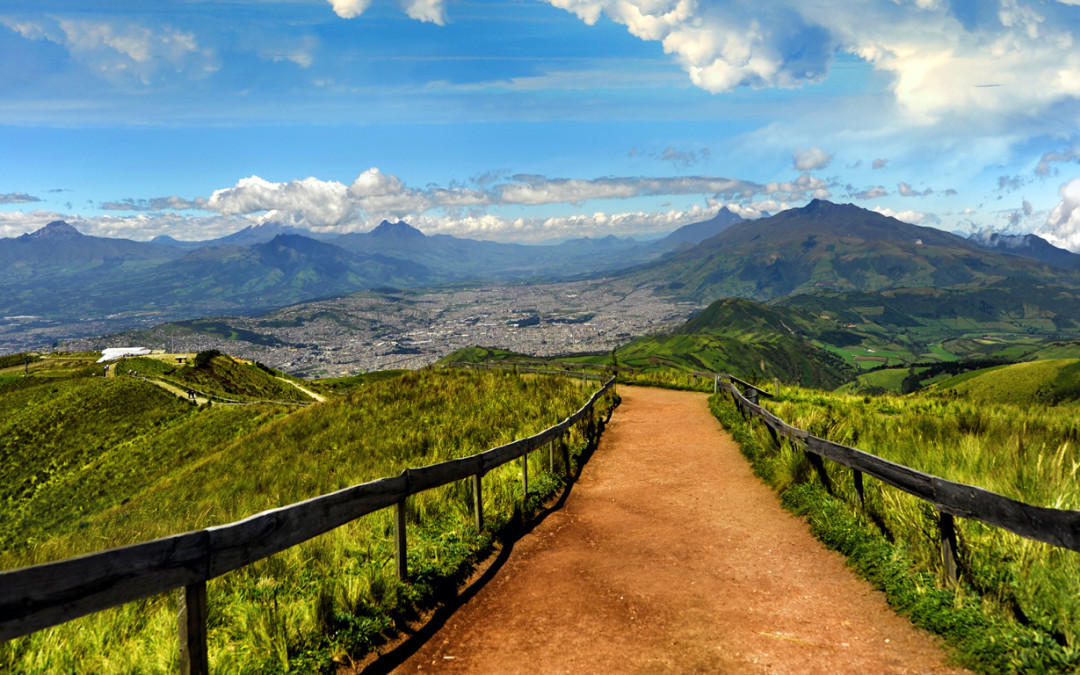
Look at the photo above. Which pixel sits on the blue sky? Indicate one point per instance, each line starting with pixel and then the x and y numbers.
pixel 534 120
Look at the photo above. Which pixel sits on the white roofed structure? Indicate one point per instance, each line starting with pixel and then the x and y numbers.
pixel 113 353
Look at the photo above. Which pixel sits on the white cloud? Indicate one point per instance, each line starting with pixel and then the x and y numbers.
pixel 309 201
pixel 331 206
pixel 534 190
pixel 1043 168
pixel 906 215
pixel 942 63
pixel 874 192
pixel 172 203
pixel 906 190
pixel 17 198
pixel 813 158
pixel 431 11
pixel 1062 227
pixel 122 51
pixel 792 191
pixel 879 164
pixel 349 9
pixel 721 47
pixel 140 227
pixel 300 51
pixel 425 10
pixel 597 224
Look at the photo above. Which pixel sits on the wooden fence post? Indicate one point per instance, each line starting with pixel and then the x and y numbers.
pixel 478 501
pixel 551 456
pixel 776 387
pixel 819 467
pixel 948 544
pixel 524 480
pixel 772 432
pixel 191 622
pixel 716 384
pixel 565 458
pixel 400 551
pixel 856 475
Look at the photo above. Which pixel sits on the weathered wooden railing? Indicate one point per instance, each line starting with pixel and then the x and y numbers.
pixel 33 598
pixel 1059 527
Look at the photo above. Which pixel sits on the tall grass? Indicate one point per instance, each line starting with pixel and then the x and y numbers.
pixel 334 597
pixel 1029 453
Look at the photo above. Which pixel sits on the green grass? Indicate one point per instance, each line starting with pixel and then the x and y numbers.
pixel 341 385
pixel 218 376
pixel 1017 608
pixel 330 599
pixel 1035 382
pixel 880 381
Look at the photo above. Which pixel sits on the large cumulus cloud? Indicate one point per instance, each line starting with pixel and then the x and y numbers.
pixel 1063 225
pixel 1003 57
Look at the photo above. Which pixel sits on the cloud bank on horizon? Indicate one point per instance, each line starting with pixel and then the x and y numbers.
pixel 964 111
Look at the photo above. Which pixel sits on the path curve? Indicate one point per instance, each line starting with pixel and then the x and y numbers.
pixel 670 556
pixel 318 397
pixel 199 400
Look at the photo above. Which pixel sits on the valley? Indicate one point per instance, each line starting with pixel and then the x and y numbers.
pixel 368 330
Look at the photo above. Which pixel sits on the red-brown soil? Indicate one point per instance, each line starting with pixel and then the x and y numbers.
pixel 670 556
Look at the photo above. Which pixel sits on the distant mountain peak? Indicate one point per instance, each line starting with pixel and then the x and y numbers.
pixel 823 207
pixel 56 229
pixel 400 230
pixel 1028 246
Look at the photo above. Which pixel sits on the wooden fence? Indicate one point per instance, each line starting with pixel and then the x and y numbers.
pixel 33 598
pixel 1059 527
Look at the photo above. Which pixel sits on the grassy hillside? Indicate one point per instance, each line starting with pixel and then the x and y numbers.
pixel 217 374
pixel 1017 608
pixel 189 467
pixel 53 428
pixel 749 340
pixel 1037 382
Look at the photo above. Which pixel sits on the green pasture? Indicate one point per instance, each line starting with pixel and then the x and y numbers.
pixel 160 466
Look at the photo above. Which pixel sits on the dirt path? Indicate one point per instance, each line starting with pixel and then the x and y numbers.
pixel 670 556
pixel 199 400
pixel 318 397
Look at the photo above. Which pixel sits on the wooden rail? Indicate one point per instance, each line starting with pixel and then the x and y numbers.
pixel 33 598
pixel 1059 527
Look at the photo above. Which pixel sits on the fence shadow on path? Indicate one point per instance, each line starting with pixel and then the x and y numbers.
pixel 448 604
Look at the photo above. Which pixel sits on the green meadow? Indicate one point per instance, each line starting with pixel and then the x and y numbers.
pixel 108 462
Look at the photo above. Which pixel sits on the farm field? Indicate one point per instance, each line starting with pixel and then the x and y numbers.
pixel 158 465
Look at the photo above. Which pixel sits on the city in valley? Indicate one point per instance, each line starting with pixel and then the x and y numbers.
pixel 368 331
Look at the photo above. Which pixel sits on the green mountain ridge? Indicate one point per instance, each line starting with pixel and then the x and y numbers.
pixel 838 247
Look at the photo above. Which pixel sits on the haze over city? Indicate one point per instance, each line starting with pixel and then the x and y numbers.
pixel 535 121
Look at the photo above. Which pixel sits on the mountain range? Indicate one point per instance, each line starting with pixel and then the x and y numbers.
pixel 60 275
pixel 823 257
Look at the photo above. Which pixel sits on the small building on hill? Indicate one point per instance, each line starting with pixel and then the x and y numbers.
pixel 113 353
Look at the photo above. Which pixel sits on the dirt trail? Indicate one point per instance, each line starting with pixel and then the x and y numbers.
pixel 318 397
pixel 670 556
pixel 199 400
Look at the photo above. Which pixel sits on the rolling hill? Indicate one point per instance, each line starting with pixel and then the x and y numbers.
pixel 747 339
